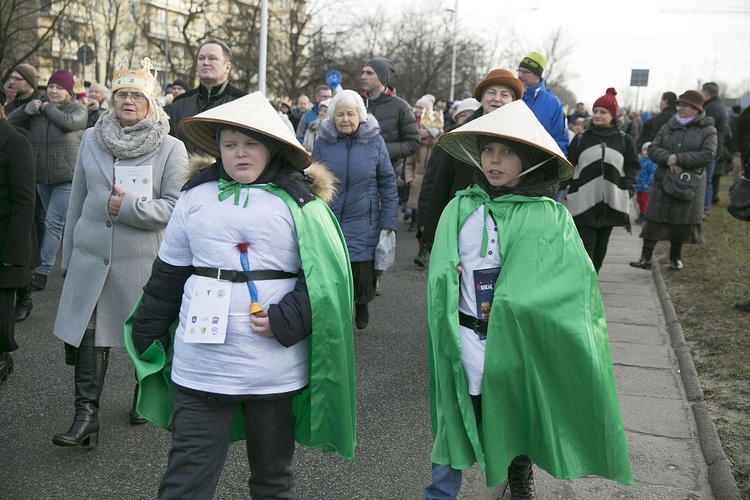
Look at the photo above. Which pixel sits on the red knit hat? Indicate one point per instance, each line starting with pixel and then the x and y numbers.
pixel 64 79
pixel 609 102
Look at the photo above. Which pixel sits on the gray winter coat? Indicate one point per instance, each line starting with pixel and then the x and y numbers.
pixel 695 147
pixel 55 133
pixel 108 258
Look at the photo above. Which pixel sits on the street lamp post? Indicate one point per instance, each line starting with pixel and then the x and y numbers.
pixel 263 49
pixel 453 59
pixel 166 44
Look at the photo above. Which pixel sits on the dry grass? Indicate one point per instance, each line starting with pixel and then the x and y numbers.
pixel 715 277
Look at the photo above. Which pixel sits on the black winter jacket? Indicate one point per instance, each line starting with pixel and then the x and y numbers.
pixel 651 127
pixel 197 101
pixel 715 109
pixel 443 176
pixel 398 125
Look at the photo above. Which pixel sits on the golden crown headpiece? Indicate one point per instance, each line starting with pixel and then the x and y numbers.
pixel 142 79
pixel 432 119
pixel 78 88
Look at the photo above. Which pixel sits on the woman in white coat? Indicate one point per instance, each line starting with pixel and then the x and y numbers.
pixel 126 182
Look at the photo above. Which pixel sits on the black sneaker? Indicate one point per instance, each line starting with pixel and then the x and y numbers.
pixel 521 482
pixel 39 281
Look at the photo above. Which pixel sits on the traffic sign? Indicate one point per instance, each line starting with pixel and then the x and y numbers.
pixel 333 78
pixel 85 55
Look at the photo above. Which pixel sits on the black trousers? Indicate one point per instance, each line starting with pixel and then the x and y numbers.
pixel 201 426
pixel 7 320
pixel 595 241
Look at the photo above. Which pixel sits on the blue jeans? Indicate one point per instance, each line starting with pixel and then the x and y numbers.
pixel 709 185
pixel 55 200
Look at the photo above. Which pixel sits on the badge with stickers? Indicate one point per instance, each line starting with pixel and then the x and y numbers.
pixel 209 311
pixel 484 290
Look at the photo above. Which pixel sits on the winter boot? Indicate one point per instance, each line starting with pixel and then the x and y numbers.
pixel 361 316
pixel 24 304
pixel 423 256
pixel 521 482
pixel 645 261
pixel 134 416
pixel 90 369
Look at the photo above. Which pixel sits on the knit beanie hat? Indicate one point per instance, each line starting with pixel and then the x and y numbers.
pixel 609 102
pixel 64 79
pixel 28 73
pixel 692 98
pixel 534 62
pixel 427 101
pixel 180 82
pixel 383 68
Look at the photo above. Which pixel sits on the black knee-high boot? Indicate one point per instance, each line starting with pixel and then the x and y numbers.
pixel 90 370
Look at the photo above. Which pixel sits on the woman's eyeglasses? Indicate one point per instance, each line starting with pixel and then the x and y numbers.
pixel 123 96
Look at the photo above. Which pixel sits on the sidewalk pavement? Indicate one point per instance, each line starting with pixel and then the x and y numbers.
pixel 675 451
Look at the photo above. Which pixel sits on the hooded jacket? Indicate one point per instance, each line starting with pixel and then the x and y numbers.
pixel 695 147
pixel 367 200
pixel 549 111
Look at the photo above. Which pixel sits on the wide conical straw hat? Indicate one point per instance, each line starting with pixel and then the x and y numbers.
pixel 253 112
pixel 513 121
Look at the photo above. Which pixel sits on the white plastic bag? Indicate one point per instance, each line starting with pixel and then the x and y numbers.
pixel 385 252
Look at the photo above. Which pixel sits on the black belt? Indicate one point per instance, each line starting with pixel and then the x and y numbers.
pixel 242 276
pixel 478 325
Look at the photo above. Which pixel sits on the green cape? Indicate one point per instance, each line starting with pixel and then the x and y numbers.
pixel 548 390
pixel 325 410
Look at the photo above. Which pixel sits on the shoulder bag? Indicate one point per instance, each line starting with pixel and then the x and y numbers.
pixel 682 186
pixel 739 199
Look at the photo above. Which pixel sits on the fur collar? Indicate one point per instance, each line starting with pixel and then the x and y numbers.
pixel 364 134
pixel 321 181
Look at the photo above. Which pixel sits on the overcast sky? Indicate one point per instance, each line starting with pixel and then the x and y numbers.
pixel 682 43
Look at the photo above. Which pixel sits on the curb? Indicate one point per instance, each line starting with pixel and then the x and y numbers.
pixel 722 481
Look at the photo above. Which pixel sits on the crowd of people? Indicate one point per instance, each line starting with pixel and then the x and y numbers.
pixel 481 181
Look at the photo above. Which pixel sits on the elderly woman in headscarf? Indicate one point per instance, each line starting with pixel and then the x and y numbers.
pixel 366 201
pixel 126 182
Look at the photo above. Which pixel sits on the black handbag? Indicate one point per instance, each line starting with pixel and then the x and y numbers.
pixel 682 186
pixel 739 199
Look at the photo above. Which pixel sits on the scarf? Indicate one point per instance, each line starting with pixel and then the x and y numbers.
pixel 684 121
pixel 130 142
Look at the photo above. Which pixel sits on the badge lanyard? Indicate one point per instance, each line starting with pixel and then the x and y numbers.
pixel 254 305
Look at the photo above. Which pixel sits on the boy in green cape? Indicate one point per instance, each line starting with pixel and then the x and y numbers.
pixel 255 268
pixel 520 369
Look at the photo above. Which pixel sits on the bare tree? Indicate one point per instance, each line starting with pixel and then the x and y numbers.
pixel 21 37
pixel 558 49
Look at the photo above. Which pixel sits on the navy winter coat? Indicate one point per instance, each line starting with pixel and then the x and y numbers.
pixel 366 200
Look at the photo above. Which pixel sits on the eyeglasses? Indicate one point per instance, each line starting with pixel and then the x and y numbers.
pixel 123 96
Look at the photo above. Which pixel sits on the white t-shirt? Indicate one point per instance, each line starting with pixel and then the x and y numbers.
pixel 473 302
pixel 204 232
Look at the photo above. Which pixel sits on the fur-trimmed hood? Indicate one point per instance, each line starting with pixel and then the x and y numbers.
pixel 364 134
pixel 320 180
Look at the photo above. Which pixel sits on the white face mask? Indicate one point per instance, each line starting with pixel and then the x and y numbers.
pixel 476 163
